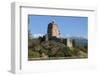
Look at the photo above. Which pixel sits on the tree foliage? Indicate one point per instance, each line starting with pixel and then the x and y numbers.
pixel 39 47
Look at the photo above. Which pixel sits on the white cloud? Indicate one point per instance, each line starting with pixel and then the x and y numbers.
pixel 37 35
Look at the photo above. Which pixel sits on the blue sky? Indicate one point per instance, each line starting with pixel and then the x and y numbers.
pixel 69 25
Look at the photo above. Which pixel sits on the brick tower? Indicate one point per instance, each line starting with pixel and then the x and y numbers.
pixel 53 30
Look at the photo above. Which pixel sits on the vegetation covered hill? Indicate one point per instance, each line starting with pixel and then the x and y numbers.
pixel 51 49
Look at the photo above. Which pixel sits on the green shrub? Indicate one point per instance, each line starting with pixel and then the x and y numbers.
pixel 33 54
